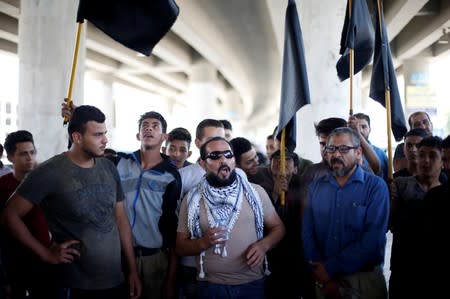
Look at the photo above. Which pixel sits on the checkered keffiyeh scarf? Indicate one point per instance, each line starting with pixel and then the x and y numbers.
pixel 223 205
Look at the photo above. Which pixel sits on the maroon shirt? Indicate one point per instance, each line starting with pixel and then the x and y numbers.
pixel 35 219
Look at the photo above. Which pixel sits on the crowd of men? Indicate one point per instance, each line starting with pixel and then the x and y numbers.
pixel 93 223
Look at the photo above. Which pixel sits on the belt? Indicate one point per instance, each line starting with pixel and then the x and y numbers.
pixel 144 251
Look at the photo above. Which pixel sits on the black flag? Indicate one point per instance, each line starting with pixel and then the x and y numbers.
pixel 357 34
pixel 295 88
pixel 136 24
pixel 384 78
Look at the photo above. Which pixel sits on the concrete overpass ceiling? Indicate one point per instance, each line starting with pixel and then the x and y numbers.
pixel 238 39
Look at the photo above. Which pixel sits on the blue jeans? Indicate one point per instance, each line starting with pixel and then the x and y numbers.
pixel 251 290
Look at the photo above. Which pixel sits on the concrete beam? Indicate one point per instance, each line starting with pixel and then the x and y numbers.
pixel 399 13
pixel 199 30
pixel 7 46
pixel 99 42
pixel 9 28
pixel 10 8
pixel 422 32
pixel 104 64
pixel 174 51
pixel 441 49
pixel 101 63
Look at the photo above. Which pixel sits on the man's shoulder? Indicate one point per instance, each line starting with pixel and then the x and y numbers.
pixel 189 170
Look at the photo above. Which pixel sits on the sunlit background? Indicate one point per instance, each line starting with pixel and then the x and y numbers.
pixel 131 102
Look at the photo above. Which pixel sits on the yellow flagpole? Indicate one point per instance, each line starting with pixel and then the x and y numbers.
pixel 74 68
pixel 283 162
pixel 387 97
pixel 351 64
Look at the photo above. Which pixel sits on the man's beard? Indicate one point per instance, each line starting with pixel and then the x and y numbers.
pixel 215 181
pixel 342 171
pixel 92 154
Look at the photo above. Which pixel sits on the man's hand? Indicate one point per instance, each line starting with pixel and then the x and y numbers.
pixel 134 284
pixel 320 273
pixel 67 109
pixel 255 255
pixel 62 253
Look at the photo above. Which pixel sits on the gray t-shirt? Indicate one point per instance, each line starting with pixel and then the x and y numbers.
pixel 79 203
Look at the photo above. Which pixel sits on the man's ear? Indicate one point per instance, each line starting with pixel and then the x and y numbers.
pixel 76 137
pixel 10 158
pixel 137 137
pixel 164 137
pixel 202 163
pixel 197 143
pixel 189 154
pixel 295 170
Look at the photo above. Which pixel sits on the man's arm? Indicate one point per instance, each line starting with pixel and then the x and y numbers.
pixel 127 248
pixel 188 247
pixel 275 232
pixel 367 149
pixel 185 246
pixel 12 220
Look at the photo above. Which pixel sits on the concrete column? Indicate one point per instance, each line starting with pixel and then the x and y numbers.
pixel 202 93
pixel 419 92
pixel 232 103
pixel 47 30
pixel 321 23
pixel 99 92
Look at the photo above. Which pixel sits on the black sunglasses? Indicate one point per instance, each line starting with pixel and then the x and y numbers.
pixel 216 155
pixel 343 149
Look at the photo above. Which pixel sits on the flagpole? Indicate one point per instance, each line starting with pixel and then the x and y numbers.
pixel 351 64
pixel 283 162
pixel 387 97
pixel 74 68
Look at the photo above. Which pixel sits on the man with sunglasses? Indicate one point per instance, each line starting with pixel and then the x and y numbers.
pixel 345 222
pixel 229 224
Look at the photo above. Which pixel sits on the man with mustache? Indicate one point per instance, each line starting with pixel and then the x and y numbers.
pixel 152 185
pixel 82 199
pixel 229 224
pixel 345 222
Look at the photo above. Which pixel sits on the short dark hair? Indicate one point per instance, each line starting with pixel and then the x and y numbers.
pixel 226 124
pixel 446 142
pixel 399 151
pixel 203 152
pixel 327 125
pixel 240 145
pixel 155 115
pixel 417 132
pixel 289 153
pixel 431 141
pixel 417 113
pixel 363 116
pixel 356 141
pixel 81 115
pixel 208 122
pixel 179 134
pixel 16 137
